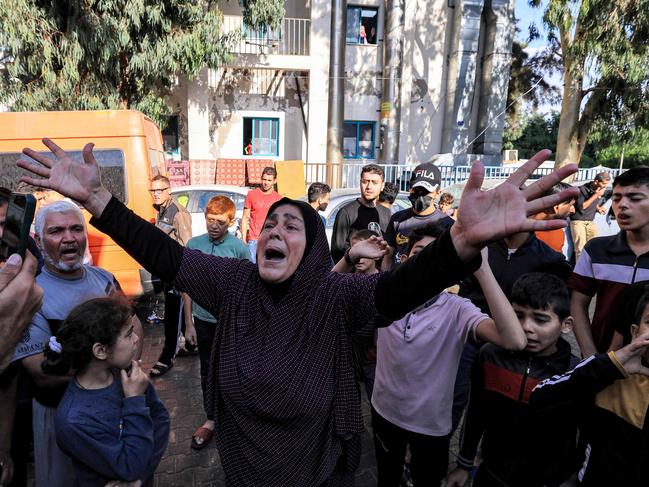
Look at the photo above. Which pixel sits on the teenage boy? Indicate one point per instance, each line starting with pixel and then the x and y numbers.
pixel 519 448
pixel 608 395
pixel 201 325
pixel 318 196
pixel 362 213
pixel 608 265
pixel 255 209
pixel 413 391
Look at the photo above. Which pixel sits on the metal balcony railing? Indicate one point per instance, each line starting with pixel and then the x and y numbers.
pixel 291 39
pixel 347 175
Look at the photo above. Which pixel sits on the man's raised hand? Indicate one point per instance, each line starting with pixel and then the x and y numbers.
pixel 80 181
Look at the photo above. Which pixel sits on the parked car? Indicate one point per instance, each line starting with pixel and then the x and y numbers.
pixel 340 197
pixel 196 197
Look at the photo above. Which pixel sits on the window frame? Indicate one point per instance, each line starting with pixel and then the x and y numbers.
pixel 358 123
pixel 361 8
pixel 252 138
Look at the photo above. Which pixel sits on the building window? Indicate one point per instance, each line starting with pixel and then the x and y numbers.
pixel 260 136
pixel 362 25
pixel 170 138
pixel 358 140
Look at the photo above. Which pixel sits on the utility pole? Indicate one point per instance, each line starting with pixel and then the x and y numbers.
pixel 391 87
pixel 336 92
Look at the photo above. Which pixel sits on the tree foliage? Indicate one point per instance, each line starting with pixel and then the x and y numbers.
pixel 96 54
pixel 536 131
pixel 603 50
pixel 527 90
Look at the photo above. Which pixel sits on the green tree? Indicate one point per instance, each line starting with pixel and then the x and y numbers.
pixel 537 131
pixel 527 90
pixel 603 50
pixel 97 54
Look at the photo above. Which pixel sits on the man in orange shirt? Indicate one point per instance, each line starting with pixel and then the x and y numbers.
pixel 555 238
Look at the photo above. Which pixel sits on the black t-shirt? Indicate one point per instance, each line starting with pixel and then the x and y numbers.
pixel 581 213
pixel 368 218
pixel 404 222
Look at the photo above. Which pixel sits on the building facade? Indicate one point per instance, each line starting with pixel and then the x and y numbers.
pixel 442 90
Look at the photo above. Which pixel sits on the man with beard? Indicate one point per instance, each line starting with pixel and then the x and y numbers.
pixel 318 195
pixel 66 282
pixel 361 214
pixel 424 188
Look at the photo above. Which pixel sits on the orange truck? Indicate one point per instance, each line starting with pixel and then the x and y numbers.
pixel 129 150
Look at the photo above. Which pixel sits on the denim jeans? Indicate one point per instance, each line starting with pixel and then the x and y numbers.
pixel 252 247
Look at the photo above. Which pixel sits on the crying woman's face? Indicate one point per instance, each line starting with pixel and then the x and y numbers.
pixel 281 244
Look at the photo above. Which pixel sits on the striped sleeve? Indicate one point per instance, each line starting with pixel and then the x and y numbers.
pixel 579 385
pixel 583 278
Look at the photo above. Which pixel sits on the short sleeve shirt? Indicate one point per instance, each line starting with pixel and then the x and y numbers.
pixel 60 296
pixel 404 222
pixel 258 203
pixel 230 246
pixel 417 357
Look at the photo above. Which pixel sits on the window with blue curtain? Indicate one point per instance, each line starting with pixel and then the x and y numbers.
pixel 358 140
pixel 362 25
pixel 260 136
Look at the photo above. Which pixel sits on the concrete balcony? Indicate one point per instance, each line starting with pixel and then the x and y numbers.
pixel 292 39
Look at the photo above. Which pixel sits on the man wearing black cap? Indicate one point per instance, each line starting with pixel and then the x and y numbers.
pixel 424 185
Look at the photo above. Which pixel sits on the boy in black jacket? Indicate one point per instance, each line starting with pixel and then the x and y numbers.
pixel 520 448
pixel 608 394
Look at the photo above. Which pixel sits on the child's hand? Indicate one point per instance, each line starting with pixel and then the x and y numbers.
pixel 372 248
pixel 457 478
pixel 631 355
pixel 135 383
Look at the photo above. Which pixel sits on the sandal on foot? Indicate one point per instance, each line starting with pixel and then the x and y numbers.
pixel 203 433
pixel 160 369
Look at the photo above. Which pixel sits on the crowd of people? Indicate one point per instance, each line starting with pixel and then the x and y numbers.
pixel 443 315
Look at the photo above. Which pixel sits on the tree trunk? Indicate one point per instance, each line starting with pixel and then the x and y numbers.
pixel 569 143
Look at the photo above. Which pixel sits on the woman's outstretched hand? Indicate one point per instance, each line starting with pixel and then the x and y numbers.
pixel 80 181
pixel 485 216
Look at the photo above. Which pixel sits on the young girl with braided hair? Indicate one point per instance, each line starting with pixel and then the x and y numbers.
pixel 110 421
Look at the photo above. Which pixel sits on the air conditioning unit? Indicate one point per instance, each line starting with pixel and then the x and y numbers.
pixel 510 155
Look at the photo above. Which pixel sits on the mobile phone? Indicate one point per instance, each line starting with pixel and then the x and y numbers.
pixel 18 218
